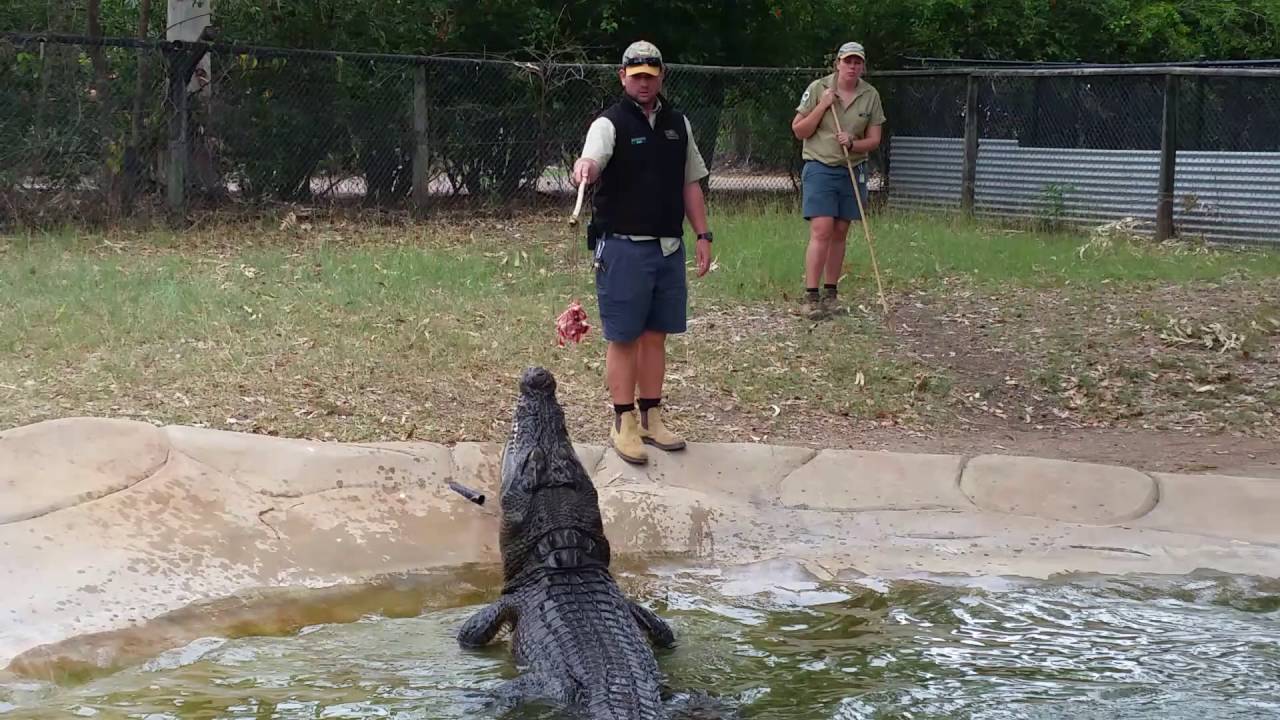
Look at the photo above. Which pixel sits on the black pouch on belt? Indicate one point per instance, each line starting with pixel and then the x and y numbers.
pixel 593 235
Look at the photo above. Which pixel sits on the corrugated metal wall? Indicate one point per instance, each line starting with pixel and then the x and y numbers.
pixel 1226 197
pixel 925 172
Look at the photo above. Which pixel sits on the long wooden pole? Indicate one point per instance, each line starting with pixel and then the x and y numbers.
pixel 862 213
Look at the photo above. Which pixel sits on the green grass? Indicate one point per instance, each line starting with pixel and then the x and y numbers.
pixel 367 332
pixel 760 253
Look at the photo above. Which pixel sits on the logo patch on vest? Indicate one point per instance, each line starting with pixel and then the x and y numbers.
pixel 671 134
pixel 638 140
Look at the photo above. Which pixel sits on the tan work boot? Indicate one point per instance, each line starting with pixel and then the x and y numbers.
pixel 654 432
pixel 625 436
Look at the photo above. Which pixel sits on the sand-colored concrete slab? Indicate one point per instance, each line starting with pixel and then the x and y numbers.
pixel 749 472
pixel 1058 490
pixel 183 516
pixel 858 480
pixel 1239 508
pixel 479 467
pixel 285 467
pixel 644 516
pixel 42 472
pixel 191 532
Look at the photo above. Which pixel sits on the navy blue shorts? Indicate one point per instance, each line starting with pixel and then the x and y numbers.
pixel 639 289
pixel 828 192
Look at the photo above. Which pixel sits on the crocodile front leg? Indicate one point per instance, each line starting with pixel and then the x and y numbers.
pixel 659 631
pixel 534 688
pixel 484 625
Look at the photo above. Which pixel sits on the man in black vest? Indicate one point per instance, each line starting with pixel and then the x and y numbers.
pixel 642 152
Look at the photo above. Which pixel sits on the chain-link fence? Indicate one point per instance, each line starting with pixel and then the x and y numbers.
pixel 1177 150
pixel 112 129
pixel 81 129
pixel 172 126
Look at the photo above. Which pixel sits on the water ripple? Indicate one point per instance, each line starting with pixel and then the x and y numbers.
pixel 774 646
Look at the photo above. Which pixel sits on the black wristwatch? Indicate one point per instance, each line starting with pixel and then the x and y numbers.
pixel 705 236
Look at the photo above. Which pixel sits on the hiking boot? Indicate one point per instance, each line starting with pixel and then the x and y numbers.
pixel 625 436
pixel 815 309
pixel 655 433
pixel 832 305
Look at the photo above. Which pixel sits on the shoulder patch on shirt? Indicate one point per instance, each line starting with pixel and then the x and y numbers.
pixel 805 97
pixel 672 135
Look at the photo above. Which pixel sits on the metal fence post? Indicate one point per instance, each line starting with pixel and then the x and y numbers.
pixel 178 151
pixel 886 165
pixel 1168 159
pixel 421 144
pixel 970 176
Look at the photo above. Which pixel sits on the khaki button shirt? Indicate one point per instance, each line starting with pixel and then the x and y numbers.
pixel 865 110
pixel 601 137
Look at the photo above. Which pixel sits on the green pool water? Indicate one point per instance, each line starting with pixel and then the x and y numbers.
pixel 770 644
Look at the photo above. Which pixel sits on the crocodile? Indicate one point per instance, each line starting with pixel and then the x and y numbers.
pixel 581 643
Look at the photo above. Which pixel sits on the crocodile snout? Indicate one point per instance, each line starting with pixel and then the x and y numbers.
pixel 537 381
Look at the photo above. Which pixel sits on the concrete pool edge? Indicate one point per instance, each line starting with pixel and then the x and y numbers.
pixel 108 524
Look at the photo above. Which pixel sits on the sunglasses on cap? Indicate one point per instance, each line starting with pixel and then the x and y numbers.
pixel 646 60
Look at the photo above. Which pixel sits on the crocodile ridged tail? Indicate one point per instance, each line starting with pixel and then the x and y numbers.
pixel 577 625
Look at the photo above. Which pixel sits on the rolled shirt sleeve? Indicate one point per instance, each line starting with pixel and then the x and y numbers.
pixel 809 100
pixel 694 167
pixel 877 111
pixel 600 140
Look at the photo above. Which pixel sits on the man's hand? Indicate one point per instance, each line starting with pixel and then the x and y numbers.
pixel 703 255
pixel 585 171
pixel 828 98
pixel 844 139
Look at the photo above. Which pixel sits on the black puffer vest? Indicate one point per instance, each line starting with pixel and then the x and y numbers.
pixel 641 190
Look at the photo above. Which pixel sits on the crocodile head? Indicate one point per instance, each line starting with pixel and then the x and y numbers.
pixel 550 509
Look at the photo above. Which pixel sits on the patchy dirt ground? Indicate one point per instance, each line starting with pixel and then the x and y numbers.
pixel 1165 377
pixel 1191 357
pixel 1183 378
pixel 1148 450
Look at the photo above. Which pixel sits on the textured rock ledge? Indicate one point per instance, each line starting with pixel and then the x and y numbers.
pixel 108 524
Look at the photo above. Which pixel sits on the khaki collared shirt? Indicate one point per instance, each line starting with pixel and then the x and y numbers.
pixel 601 137
pixel 865 110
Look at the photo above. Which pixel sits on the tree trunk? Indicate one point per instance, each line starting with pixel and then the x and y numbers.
pixel 58 98
pixel 110 180
pixel 95 51
pixel 133 164
pixel 741 141
pixel 46 67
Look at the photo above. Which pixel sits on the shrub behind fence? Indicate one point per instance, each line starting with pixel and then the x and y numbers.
pixel 104 130
pixel 270 125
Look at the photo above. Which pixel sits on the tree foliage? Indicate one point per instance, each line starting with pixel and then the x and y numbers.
pixel 277 126
pixel 773 32
pixel 731 32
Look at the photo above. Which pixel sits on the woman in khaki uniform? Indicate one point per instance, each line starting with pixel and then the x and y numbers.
pixel 828 202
